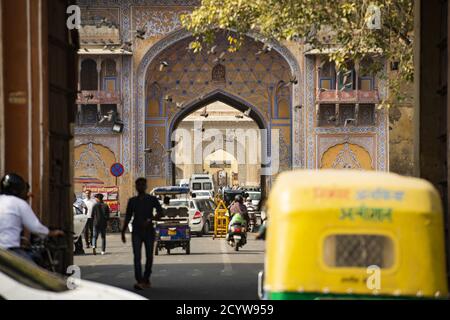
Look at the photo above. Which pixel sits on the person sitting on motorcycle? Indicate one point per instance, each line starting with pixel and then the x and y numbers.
pixel 238 207
pixel 239 214
pixel 16 214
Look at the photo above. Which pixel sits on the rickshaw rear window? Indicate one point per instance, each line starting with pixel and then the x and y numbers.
pixel 358 251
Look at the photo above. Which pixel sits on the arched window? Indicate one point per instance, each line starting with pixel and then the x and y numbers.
pixel 109 75
pixel 219 73
pixel 154 101
pixel 88 75
pixel 366 78
pixel 283 104
pixel 327 76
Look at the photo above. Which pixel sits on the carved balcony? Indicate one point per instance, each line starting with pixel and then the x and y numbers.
pixel 350 96
pixel 98 97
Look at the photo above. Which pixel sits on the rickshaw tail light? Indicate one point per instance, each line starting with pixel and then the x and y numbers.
pixel 197 215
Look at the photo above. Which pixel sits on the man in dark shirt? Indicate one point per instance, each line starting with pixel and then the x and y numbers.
pixel 141 209
pixel 100 217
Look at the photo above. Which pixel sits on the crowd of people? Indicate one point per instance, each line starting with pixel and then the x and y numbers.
pixel 18 222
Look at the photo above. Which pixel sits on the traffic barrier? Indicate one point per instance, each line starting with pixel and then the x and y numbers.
pixel 221 220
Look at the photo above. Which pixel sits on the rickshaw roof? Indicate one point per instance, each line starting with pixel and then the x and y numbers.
pixel 347 178
pixel 328 188
pixel 320 221
pixel 170 190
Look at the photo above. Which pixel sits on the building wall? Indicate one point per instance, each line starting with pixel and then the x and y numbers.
pixel 402 139
pixel 433 119
pixel 38 103
pixel 304 143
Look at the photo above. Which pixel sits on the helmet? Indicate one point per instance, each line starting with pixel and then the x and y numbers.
pixel 13 184
pixel 239 198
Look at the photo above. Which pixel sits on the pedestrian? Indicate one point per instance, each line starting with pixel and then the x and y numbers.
pixel 141 208
pixel 100 217
pixel 89 229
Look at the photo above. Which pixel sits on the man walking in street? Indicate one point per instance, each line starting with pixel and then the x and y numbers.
pixel 141 209
pixel 100 217
pixel 89 228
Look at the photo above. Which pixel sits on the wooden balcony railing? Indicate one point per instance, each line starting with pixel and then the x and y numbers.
pixel 350 96
pixel 98 97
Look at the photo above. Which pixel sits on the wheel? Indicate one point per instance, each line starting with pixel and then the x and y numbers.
pixel 236 247
pixel 168 251
pixel 156 250
pixel 200 234
pixel 206 228
pixel 188 248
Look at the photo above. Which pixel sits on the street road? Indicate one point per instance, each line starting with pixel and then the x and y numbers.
pixel 212 270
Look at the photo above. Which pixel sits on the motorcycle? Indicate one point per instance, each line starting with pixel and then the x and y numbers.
pixel 251 209
pixel 48 253
pixel 237 237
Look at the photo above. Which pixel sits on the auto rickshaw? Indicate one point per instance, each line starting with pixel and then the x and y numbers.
pixel 173 231
pixel 339 234
pixel 229 195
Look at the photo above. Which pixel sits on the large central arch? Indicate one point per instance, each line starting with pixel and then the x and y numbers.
pixel 140 122
pixel 232 101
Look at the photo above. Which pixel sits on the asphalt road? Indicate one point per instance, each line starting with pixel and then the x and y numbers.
pixel 212 270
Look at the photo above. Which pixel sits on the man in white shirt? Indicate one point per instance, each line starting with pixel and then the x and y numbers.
pixel 15 214
pixel 89 228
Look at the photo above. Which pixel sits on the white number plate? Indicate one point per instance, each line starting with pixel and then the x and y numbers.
pixel 237 237
pixel 165 238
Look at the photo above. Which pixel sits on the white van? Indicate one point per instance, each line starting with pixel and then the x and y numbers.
pixel 201 182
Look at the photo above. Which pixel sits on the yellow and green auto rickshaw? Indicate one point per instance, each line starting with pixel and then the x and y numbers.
pixel 335 234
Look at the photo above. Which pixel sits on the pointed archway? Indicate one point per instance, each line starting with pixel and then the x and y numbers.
pixel 244 80
pixel 236 103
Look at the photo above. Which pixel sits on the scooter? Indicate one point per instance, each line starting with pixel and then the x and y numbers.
pixel 237 237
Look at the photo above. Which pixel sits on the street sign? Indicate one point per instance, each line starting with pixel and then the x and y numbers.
pixel 117 170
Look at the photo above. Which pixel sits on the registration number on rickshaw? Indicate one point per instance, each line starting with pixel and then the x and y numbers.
pixel 166 238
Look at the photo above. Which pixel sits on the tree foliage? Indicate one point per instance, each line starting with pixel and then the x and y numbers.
pixel 321 24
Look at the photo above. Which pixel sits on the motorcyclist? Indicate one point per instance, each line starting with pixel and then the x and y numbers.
pixel 239 214
pixel 238 207
pixel 16 214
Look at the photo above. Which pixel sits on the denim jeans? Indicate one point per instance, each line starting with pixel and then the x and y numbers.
pixel 88 231
pixel 99 230
pixel 27 255
pixel 148 239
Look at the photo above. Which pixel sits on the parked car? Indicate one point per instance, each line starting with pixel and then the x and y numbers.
pixel 79 222
pixel 203 194
pixel 201 214
pixel 23 280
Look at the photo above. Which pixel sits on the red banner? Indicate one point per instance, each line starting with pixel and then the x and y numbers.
pixel 110 196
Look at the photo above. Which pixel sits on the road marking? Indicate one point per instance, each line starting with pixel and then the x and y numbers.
pixel 196 273
pixel 228 269
pixel 125 275
pixel 161 273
